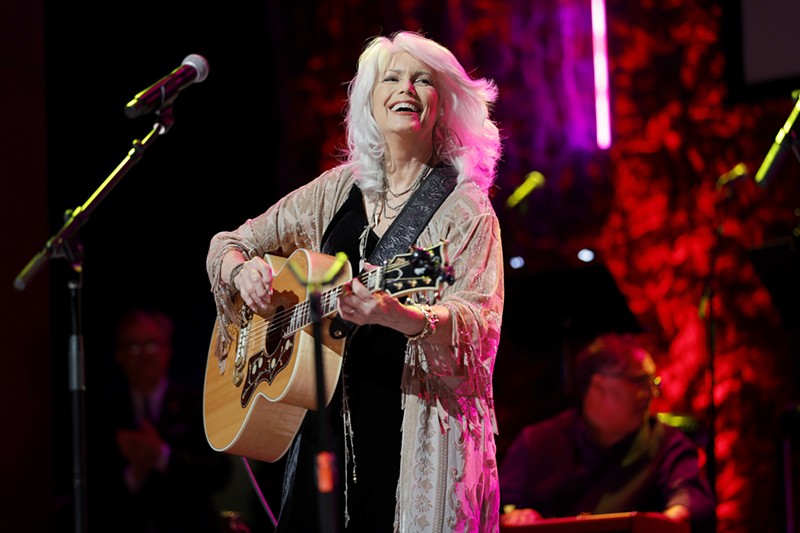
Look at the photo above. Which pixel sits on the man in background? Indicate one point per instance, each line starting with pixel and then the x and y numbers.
pixel 608 454
pixel 152 469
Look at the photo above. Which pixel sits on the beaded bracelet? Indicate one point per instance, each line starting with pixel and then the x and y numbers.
pixel 234 271
pixel 431 320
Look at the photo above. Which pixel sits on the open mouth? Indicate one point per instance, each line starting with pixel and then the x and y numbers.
pixel 405 107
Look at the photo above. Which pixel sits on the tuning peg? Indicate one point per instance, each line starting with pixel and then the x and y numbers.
pixel 420 257
pixel 448 275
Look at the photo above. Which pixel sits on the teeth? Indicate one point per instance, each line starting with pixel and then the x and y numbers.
pixel 401 106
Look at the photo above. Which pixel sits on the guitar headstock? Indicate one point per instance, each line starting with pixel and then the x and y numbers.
pixel 419 269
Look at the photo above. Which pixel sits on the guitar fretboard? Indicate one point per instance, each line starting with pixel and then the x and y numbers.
pixel 300 314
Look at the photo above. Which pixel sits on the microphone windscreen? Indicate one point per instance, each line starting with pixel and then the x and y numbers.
pixel 200 65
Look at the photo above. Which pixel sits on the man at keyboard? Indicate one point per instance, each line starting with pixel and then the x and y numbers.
pixel 608 454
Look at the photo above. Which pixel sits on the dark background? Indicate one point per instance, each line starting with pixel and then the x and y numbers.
pixel 263 122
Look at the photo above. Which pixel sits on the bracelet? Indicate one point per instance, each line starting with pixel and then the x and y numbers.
pixel 234 272
pixel 431 320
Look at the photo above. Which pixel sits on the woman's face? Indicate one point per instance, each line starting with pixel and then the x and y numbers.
pixel 405 101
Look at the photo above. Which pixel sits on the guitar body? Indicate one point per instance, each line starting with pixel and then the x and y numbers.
pixel 256 396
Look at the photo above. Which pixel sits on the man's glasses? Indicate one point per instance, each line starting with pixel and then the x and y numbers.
pixel 653 383
pixel 139 348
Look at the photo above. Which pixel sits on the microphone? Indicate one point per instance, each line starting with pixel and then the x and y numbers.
pixel 194 69
pixel 739 171
pixel 777 151
pixel 533 180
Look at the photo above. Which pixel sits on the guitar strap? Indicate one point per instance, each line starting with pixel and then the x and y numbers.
pixel 405 229
pixel 415 215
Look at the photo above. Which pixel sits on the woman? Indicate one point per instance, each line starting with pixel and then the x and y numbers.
pixel 412 418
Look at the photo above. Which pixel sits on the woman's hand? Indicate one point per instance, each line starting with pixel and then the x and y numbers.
pixel 360 306
pixel 254 282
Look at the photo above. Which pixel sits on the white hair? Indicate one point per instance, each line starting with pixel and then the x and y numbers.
pixel 464 136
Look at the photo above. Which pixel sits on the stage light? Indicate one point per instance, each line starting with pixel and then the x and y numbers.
pixel 516 262
pixel 586 255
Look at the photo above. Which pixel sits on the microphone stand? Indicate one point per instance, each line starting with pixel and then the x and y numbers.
pixel 777 151
pixel 325 459
pixel 706 312
pixel 65 244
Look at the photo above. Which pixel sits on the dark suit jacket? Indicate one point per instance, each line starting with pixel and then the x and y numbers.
pixel 177 500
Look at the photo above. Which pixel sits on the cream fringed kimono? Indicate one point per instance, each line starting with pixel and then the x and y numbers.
pixel 448 472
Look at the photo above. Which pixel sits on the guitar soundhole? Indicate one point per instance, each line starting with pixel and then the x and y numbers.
pixel 275 331
pixel 273 358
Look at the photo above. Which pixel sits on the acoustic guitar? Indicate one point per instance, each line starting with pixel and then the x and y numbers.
pixel 258 392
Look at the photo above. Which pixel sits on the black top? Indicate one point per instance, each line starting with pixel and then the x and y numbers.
pixel 371 373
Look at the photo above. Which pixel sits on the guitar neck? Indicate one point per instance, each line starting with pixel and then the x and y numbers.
pixel 405 273
pixel 301 315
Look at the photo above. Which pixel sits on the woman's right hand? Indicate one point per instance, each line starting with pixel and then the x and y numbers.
pixel 254 283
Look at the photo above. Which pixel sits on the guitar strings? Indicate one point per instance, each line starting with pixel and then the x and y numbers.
pixel 301 310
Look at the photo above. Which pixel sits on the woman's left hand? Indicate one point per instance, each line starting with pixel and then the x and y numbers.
pixel 360 306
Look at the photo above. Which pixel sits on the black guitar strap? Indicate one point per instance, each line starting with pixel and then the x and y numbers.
pixel 415 215
pixel 405 229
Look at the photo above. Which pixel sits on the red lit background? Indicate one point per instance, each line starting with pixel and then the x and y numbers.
pixel 269 118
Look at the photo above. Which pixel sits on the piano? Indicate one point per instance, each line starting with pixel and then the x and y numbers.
pixel 632 522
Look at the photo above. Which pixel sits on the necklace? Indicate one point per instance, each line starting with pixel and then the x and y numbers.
pixel 382 207
pixel 410 188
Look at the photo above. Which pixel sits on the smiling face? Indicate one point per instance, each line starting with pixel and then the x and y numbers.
pixel 405 101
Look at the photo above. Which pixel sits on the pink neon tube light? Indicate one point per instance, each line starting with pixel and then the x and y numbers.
pixel 600 58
